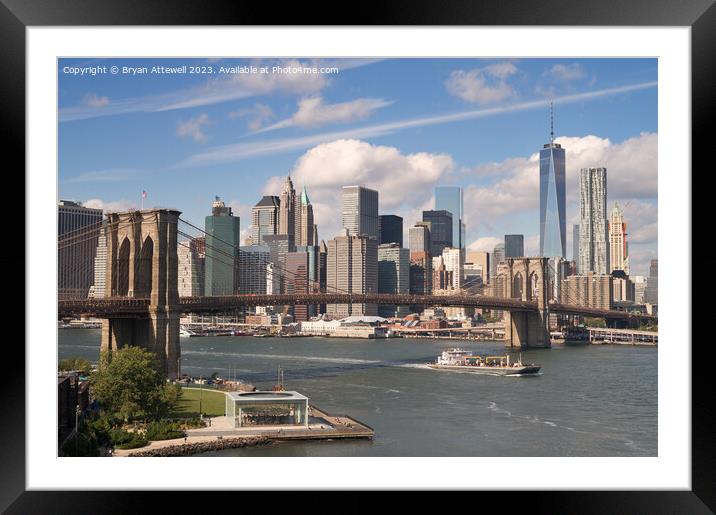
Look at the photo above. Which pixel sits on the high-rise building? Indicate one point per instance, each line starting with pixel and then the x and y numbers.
pixel 639 288
pixel 514 245
pixel 279 245
pixel 575 245
pixel 593 243
pixel 452 258
pixel 449 198
pixel 391 229
pixel 393 276
pixel 552 185
pixel 287 211
pixel 497 258
pixel 305 228
pixel 618 246
pixel 359 207
pixel 442 277
pixel 588 290
pixel 264 218
pixel 252 269
pixel 100 268
pixel 352 266
pixel 316 270
pixel 192 264
pixel 223 238
pixel 651 291
pixel 441 223
pixel 78 231
pixel 419 238
pixel 297 281
pixel 481 260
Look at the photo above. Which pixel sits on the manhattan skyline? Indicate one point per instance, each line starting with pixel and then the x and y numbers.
pixel 400 126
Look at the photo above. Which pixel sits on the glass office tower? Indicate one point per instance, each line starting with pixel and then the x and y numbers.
pixel 553 229
pixel 449 198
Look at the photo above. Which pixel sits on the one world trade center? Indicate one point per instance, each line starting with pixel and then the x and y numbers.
pixel 552 227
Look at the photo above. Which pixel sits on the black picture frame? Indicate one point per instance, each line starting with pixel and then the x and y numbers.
pixel 17 15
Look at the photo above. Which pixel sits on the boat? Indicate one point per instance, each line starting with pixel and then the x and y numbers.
pixel 465 361
pixel 185 333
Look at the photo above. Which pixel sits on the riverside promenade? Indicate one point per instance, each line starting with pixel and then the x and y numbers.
pixel 222 435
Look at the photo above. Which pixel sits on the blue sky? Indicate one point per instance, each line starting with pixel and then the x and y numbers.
pixel 401 126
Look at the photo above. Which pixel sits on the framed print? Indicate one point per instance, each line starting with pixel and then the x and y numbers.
pixel 424 255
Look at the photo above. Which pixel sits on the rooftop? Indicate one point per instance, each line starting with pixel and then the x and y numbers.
pixel 268 395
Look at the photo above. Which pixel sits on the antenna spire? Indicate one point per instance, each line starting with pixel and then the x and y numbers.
pixel 551 122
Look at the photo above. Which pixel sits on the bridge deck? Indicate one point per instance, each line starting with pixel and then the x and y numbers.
pixel 139 307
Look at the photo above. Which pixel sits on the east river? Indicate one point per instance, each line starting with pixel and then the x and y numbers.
pixel 588 400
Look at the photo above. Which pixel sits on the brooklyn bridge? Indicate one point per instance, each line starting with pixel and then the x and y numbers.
pixel 141 305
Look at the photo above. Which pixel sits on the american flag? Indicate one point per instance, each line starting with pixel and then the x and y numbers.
pixel 144 194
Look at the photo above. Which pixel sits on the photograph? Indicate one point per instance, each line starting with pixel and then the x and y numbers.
pixel 405 257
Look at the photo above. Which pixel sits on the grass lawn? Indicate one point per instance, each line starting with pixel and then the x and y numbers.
pixel 213 403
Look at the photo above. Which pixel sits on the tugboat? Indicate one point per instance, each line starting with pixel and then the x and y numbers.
pixel 465 361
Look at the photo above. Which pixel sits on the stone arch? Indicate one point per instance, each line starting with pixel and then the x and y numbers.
pixel 533 286
pixel 517 286
pixel 122 279
pixel 144 269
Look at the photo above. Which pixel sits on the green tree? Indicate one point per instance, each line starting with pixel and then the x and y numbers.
pixel 131 384
pixel 594 322
pixel 75 363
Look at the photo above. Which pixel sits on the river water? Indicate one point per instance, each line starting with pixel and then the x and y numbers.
pixel 588 400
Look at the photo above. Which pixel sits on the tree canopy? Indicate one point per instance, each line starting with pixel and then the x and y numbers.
pixel 130 383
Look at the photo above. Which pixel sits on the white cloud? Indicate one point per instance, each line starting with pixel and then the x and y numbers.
pixel 258 115
pixel 237 151
pixel 566 72
pixel 485 244
pixel 224 88
pixel 92 100
pixel 631 174
pixel 108 207
pixel 313 112
pixel 482 86
pixel 404 181
pixel 193 128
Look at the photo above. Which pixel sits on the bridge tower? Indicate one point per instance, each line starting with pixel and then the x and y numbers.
pixel 527 279
pixel 142 263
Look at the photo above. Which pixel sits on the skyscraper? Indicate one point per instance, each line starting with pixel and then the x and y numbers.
pixel 552 179
pixel 359 207
pixel 497 258
pixel 391 229
pixel 452 257
pixel 575 245
pixel 352 266
pixel 100 267
pixel 618 246
pixel 441 224
pixel 252 269
pixel 264 218
pixel 593 246
pixel 223 237
pixel 420 263
pixel 78 248
pixel 481 260
pixel 297 281
pixel 514 245
pixel 192 262
pixel 449 198
pixel 393 276
pixel 651 291
pixel 287 211
pixel 305 228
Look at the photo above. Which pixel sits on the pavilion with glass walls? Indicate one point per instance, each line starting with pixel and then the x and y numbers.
pixel 267 408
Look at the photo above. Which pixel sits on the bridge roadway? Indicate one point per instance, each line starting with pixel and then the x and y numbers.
pixel 139 307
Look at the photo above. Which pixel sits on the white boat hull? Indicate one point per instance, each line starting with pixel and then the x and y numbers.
pixel 502 371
